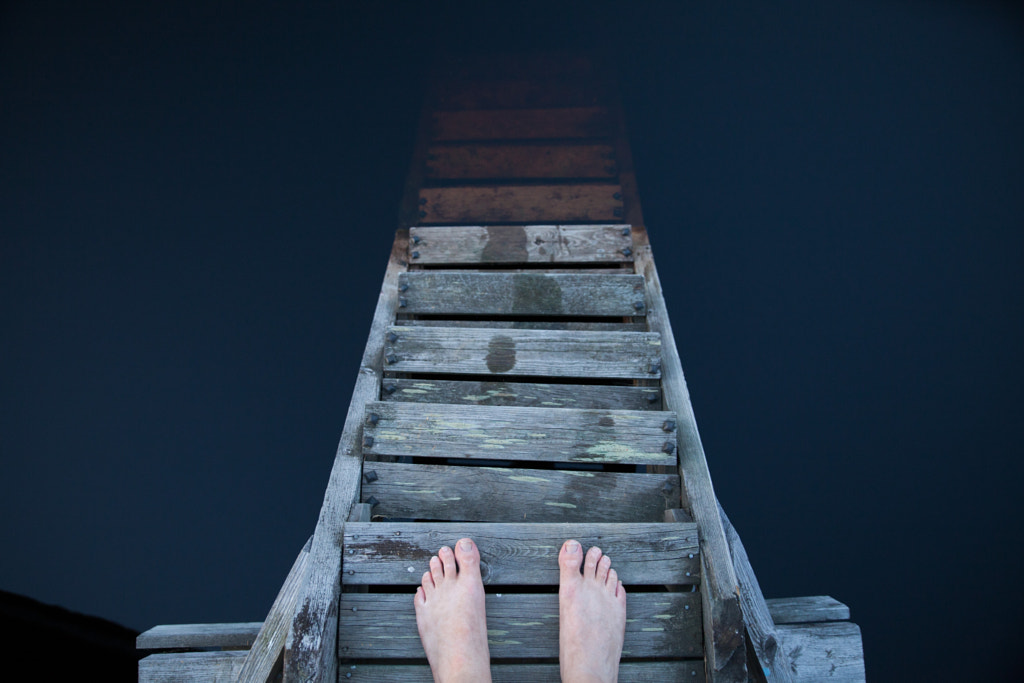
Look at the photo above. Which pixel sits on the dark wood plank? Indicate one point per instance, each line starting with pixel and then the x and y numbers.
pixel 530 325
pixel 830 651
pixel 807 609
pixel 480 161
pixel 196 636
pixel 679 671
pixel 438 430
pixel 513 65
pixel 529 353
pixel 500 494
pixel 541 294
pixel 526 93
pixel 397 553
pixel 522 244
pixel 521 124
pixel 176 667
pixel 524 394
pixel 310 648
pixel 521 625
pixel 520 203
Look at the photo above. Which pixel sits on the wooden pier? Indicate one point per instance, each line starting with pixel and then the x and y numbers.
pixel 520 385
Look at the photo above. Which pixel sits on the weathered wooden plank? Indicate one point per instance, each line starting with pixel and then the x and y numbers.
pixel 195 636
pixel 438 430
pixel 479 161
pixel 521 124
pixel 310 649
pixel 191 667
pixel 679 671
pixel 530 353
pixel 522 244
pixel 500 494
pixel 524 394
pixel 398 553
pixel 542 294
pixel 807 609
pixel 725 650
pixel 520 625
pixel 520 203
pixel 267 652
pixel 515 93
pixel 830 651
pixel 530 325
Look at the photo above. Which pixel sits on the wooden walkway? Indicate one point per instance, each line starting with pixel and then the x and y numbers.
pixel 521 386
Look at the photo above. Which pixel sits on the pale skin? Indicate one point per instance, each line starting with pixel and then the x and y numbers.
pixel 453 625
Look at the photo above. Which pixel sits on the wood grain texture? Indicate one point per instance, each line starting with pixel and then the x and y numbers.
pixel 521 244
pixel 520 203
pixel 480 161
pixel 529 353
pixel 691 671
pixel 541 294
pixel 531 325
pixel 310 649
pixel 189 667
pixel 267 652
pixel 807 609
pixel 397 553
pixel 624 437
pixel 194 636
pixel 500 494
pixel 521 124
pixel 520 625
pixel 830 651
pixel 725 650
pixel 523 394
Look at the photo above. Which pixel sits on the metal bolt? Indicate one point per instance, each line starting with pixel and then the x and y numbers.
pixel 423 201
pixel 423 214
pixel 373 418
pixel 416 239
pixel 627 251
pixel 350 573
pixel 690 556
pixel 654 368
pixel 617 195
pixel 402 303
pixel 687 573
pixel 392 337
pixel 625 231
pixel 367 442
pixel 669 425
pixel 404 287
pixel 371 476
pixel 669 448
pixel 351 552
pixel 391 359
pixel 652 396
pixel 686 607
pixel 349 675
pixel 638 305
pixel 390 388
pixel 415 254
pixel 371 501
pixel 667 487
pixel 355 609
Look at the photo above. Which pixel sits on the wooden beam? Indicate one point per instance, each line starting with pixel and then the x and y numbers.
pixel 181 667
pixel 807 609
pixel 524 394
pixel 574 325
pixel 521 124
pixel 438 430
pixel 540 294
pixel 310 649
pixel 505 494
pixel 520 625
pixel 831 651
pixel 397 553
pixel 195 636
pixel 488 161
pixel 474 204
pixel 529 353
pixel 522 244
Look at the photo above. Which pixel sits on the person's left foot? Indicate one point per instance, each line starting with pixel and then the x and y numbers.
pixel 450 616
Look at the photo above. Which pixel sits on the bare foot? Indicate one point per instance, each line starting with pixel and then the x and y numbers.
pixel 591 616
pixel 450 616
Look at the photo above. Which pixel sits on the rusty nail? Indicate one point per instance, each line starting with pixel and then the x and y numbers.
pixel 415 254
pixel 669 448
pixel 404 287
pixel 370 476
pixel 367 442
pixel 638 305
pixel 416 239
pixel 423 201
pixel 617 195
pixel 373 418
pixel 392 337
pixel 391 359
pixel 423 214
pixel 402 303
pixel 625 231
pixel 617 212
pixel 371 501
pixel 669 425
pixel 390 388
pixel 627 252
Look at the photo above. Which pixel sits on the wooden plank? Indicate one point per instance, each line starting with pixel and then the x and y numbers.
pixel 479 161
pixel 182 667
pixel 520 203
pixel 522 244
pixel 397 553
pixel 527 93
pixel 679 671
pixel 266 656
pixel 195 636
pixel 725 650
pixel 500 494
pixel 520 625
pixel 310 649
pixel 529 353
pixel 530 325
pixel 521 124
pixel 541 294
pixel 438 430
pixel 524 394
pixel 807 609
pixel 830 651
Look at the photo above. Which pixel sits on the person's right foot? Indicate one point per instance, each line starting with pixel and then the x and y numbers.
pixel 591 616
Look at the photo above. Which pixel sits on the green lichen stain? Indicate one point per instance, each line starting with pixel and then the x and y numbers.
pixel 529 480
pixel 611 451
pixel 560 505
pixel 474 398
pixel 496 632
pixel 662 616
pixel 652 629
pixel 575 473
pixel 525 623
pixel 414 391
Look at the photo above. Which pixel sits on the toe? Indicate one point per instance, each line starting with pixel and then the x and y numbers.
pixel 569 560
pixel 612 581
pixel 468 557
pixel 436 570
pixel 427 582
pixel 420 598
pixel 602 569
pixel 447 560
pixel 590 564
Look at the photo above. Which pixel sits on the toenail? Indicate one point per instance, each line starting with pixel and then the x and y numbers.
pixel 466 544
pixel 572 547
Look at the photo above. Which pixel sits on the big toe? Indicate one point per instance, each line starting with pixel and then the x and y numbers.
pixel 569 560
pixel 468 557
